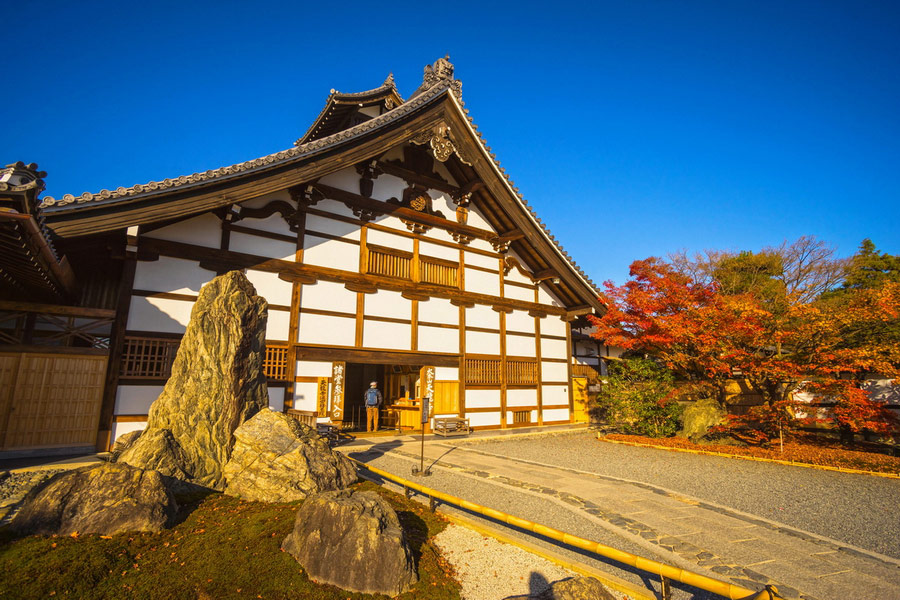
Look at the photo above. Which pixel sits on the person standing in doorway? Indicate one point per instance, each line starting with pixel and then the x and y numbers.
pixel 373 405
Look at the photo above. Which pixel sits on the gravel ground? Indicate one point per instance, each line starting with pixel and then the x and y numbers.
pixel 537 508
pixel 14 485
pixel 491 570
pixel 855 509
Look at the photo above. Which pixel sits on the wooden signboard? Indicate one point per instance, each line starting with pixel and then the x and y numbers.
pixel 426 391
pixel 338 370
pixel 322 397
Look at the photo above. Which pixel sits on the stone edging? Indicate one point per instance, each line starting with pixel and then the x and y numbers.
pixel 789 463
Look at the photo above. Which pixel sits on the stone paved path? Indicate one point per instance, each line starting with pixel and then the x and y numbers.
pixel 683 531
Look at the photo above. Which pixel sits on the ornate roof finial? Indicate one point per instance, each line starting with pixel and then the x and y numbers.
pixel 389 80
pixel 440 72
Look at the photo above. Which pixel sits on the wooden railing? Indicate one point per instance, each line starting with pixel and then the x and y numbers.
pixel 487 371
pixel 389 262
pixel 521 372
pixel 438 272
pixel 27 324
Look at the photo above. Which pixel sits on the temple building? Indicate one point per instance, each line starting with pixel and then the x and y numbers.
pixel 388 242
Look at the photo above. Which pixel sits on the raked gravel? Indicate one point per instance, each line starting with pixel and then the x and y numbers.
pixel 853 508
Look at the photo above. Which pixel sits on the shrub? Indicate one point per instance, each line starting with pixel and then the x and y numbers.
pixel 638 398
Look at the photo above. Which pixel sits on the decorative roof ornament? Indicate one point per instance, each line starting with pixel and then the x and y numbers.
pixel 440 72
pixel 25 182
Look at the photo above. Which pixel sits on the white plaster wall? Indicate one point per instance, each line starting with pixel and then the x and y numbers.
pixel 278 325
pixel 387 186
pixel 554 326
pixel 480 260
pixel 479 244
pixel 554 371
pixel 521 398
pixel 174 275
pixel 553 395
pixel 274 223
pixel 482 398
pixel 553 348
pixel 393 336
pixel 305 394
pixel 521 321
pixel 345 179
pixel 332 331
pixel 328 295
pixel 476 219
pixel 276 399
pixel 482 316
pixel 446 374
pixel 282 195
pixel 159 314
pixel 260 246
pixel 136 399
pixel 119 429
pixel 270 287
pixel 389 240
pixel 478 342
pixel 335 207
pixel 519 345
pixel 203 230
pixel 545 297
pixel 313 368
pixel 323 252
pixel 514 274
pixel 441 202
pixel 385 303
pixel 438 310
pixel 348 231
pixel 485 419
pixel 482 283
pixel 556 414
pixel 438 339
pixel 519 293
pixel 587 361
pixel 438 251
pixel 436 233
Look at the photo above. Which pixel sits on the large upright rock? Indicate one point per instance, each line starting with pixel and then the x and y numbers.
pixel 105 499
pixel 277 459
pixel 353 540
pixel 217 383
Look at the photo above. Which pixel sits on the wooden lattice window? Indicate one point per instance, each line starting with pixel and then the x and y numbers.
pixel 521 372
pixel 483 371
pixel 276 363
pixel 147 357
pixel 521 416
pixel 389 262
pixel 437 271
pixel 592 372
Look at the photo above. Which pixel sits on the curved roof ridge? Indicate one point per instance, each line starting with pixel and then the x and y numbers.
pixel 269 160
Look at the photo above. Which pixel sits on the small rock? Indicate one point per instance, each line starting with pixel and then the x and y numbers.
pixel 352 540
pixel 124 442
pixel 107 499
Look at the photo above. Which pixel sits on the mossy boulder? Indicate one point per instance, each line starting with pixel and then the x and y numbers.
pixel 699 416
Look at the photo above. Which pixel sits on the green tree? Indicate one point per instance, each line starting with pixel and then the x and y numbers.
pixel 638 398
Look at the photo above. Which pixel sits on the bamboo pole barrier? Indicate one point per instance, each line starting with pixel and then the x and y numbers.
pixel 662 570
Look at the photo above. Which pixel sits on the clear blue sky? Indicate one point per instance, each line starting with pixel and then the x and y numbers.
pixel 635 128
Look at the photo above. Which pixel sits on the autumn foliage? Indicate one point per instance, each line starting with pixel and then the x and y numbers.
pixel 776 342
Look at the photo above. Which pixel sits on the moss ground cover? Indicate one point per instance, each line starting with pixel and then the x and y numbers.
pixel 223 548
pixel 801 448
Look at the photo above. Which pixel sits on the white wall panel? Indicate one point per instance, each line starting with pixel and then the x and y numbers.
pixel 328 295
pixel 438 310
pixel 276 398
pixel 345 179
pixel 482 399
pixel 482 316
pixel 159 314
pixel 386 187
pixel 476 219
pixel 278 325
pixel 514 273
pixel 323 252
pixel 313 368
pixel 174 275
pixel 446 373
pixel 554 348
pixel 305 394
pixel 270 287
pixel 438 251
pixel 554 371
pixel 342 229
pixel 545 297
pixel 260 246
pixel 333 331
pixel 442 202
pixel 486 419
pixel 521 398
pixel 389 240
pixel 519 293
pixel 554 395
pixel 393 336
pixel 388 304
pixel 482 283
pixel 274 223
pixel 335 207
pixel 554 326
pixel 478 342
pixel 480 260
pixel 203 230
pixel 136 399
pixel 519 320
pixel 262 201
pixel 519 345
pixel 120 429
pixel 438 339
pixel 479 244
pixel 556 414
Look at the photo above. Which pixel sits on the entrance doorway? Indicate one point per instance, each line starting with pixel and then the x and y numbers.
pixel 399 385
